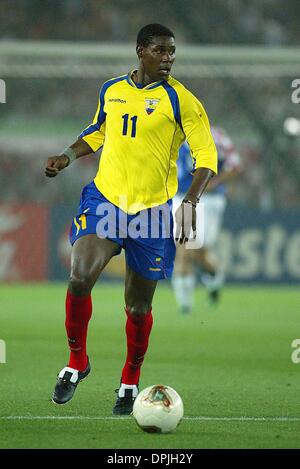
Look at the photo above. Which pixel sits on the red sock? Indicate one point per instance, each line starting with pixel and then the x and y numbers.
pixel 78 314
pixel 138 328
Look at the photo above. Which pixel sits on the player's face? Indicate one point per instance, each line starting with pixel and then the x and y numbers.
pixel 158 57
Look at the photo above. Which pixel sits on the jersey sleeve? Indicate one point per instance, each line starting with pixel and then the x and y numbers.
pixel 94 134
pixel 195 125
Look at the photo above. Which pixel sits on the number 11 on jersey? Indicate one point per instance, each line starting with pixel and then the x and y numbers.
pixel 133 119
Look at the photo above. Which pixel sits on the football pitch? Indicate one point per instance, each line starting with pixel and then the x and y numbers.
pixel 231 365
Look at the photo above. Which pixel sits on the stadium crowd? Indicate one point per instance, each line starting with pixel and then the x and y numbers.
pixel 269 22
pixel 45 107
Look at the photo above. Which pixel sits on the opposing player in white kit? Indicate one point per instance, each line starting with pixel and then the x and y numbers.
pixel 210 212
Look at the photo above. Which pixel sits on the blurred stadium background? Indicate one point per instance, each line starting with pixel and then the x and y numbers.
pixel 240 60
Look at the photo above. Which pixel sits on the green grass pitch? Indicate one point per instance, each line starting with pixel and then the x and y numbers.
pixel 231 365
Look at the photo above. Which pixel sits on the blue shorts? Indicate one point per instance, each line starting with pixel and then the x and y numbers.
pixel 147 237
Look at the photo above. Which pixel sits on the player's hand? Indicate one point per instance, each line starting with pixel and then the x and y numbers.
pixel 185 219
pixel 56 164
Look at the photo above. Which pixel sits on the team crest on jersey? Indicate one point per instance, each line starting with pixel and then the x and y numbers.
pixel 151 105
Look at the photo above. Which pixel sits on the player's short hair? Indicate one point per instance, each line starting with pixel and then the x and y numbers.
pixel 146 34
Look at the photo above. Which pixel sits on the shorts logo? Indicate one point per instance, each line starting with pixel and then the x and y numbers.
pixel 80 222
pixel 156 269
pixel 151 105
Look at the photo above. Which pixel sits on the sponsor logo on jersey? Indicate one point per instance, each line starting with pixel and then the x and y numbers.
pixel 117 100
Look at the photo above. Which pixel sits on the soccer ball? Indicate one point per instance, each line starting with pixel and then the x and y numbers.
pixel 158 409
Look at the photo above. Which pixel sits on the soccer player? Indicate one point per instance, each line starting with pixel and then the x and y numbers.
pixel 210 214
pixel 142 119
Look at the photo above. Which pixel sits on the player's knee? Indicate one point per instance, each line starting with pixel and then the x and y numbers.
pixel 80 286
pixel 138 307
pixel 201 255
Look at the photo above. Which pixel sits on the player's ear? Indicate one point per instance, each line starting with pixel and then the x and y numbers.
pixel 139 51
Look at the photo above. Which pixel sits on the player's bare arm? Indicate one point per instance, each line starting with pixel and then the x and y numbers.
pixel 223 177
pixel 201 178
pixel 57 163
pixel 186 213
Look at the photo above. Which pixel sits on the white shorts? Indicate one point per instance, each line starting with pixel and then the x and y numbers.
pixel 210 213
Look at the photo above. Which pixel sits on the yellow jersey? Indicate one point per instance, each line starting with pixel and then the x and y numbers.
pixel 141 130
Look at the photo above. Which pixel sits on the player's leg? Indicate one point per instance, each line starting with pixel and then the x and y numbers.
pixel 204 258
pixel 148 259
pixel 139 293
pixel 90 255
pixel 183 279
pixel 212 277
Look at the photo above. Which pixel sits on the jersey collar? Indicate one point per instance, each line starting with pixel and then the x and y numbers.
pixel 147 87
